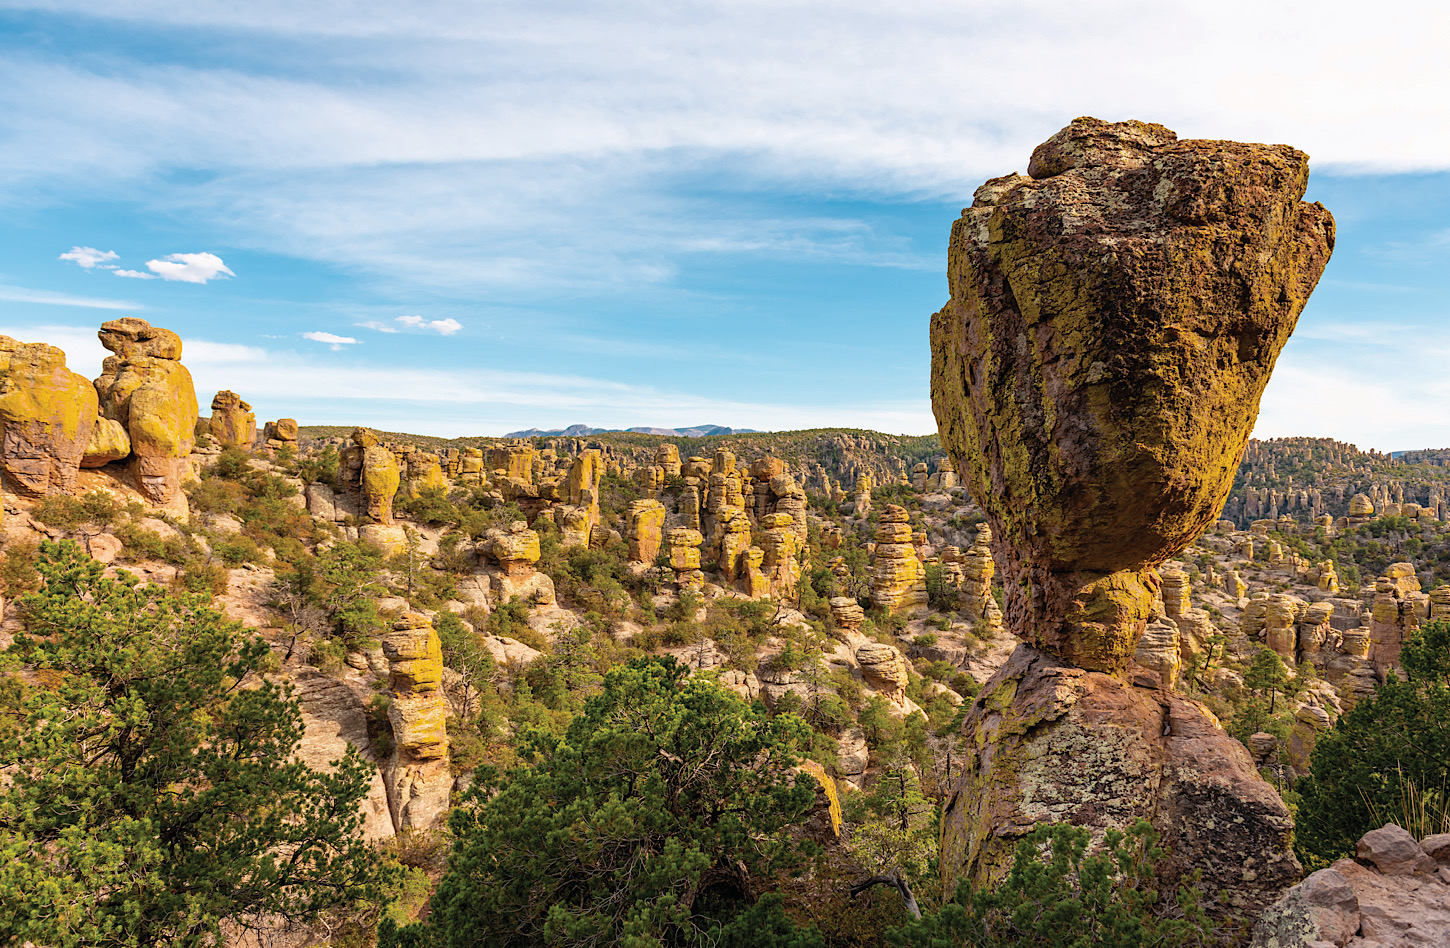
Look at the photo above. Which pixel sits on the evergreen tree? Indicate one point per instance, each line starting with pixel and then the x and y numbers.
pixel 155 796
pixel 1391 748
pixel 643 826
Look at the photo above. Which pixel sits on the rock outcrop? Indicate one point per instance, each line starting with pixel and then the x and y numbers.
pixel 145 388
pixel 644 529
pixel 1395 893
pixel 232 422
pixel 49 417
pixel 418 777
pixel 1114 319
pixel 1050 742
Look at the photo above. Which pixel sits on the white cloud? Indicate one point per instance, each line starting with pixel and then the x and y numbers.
pixel 189 267
pixel 333 340
pixel 134 274
pixel 89 257
pixel 444 327
pixel 377 326
pixel 19 294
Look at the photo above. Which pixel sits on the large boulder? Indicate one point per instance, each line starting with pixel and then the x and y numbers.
pixel 1113 320
pixel 48 414
pixel 1395 894
pixel 1053 743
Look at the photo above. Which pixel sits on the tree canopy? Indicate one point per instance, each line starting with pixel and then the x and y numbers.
pixel 155 798
pixel 648 823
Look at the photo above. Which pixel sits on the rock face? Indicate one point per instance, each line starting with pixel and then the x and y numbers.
pixel 1395 894
pixel 146 390
pixel 49 417
pixel 1114 319
pixel 232 422
pixel 1056 743
pixel 1113 322
pixel 418 777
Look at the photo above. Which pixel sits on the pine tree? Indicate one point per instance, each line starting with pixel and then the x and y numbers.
pixel 156 798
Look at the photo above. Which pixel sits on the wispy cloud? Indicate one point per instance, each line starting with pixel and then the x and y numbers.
pixel 376 326
pixel 443 327
pixel 89 257
pixel 19 294
pixel 331 339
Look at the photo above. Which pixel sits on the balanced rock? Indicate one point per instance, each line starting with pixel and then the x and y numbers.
pixel 283 429
pixel 49 416
pixel 232 422
pixel 1114 319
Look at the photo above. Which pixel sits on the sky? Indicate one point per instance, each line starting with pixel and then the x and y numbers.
pixel 467 219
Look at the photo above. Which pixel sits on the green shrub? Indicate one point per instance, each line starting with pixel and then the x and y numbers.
pixel 60 510
pixel 1058 896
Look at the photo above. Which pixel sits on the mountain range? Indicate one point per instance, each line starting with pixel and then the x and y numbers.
pixel 583 431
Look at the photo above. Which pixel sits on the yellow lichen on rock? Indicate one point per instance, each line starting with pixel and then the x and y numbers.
pixel 232 422
pixel 1114 319
pixel 48 414
pixel 147 390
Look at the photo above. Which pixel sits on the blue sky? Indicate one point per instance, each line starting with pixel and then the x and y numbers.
pixel 537 214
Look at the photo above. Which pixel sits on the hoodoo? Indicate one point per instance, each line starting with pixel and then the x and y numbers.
pixel 1114 317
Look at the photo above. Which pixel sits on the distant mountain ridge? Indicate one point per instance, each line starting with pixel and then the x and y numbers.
pixel 584 431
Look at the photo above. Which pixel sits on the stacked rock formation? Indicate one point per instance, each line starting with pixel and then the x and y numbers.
pixel 1114 318
pixel 685 557
pixel 516 551
pixel 279 433
pixel 865 483
pixel 1399 607
pixel 232 423
pixel 976 589
pixel 898 583
pixel 49 417
pixel 148 393
pixel 847 614
pixel 781 562
pixel 418 778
